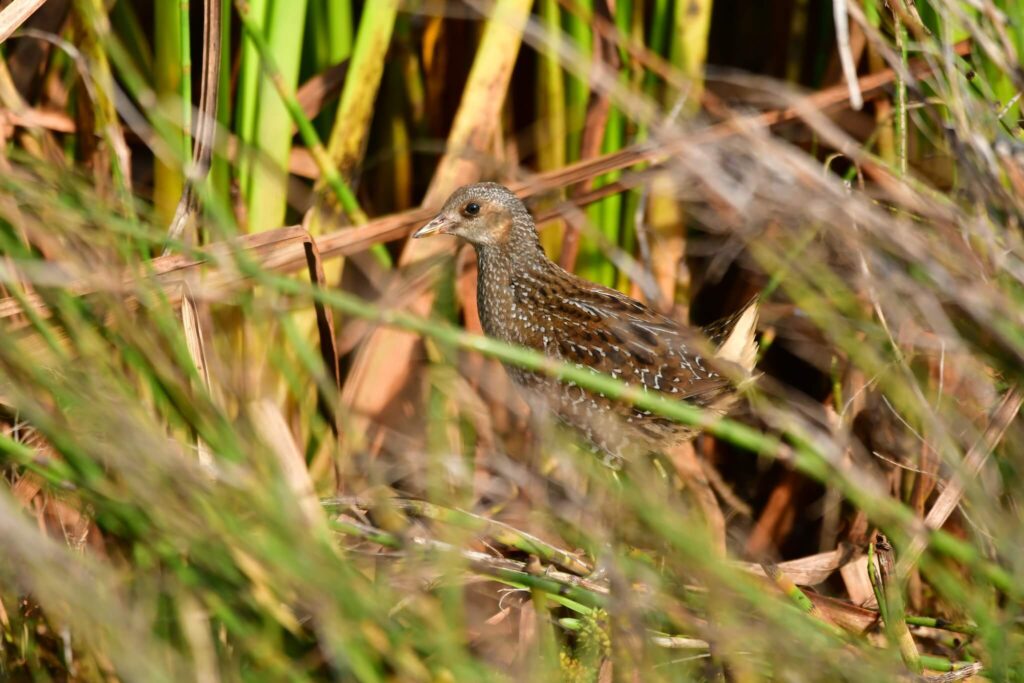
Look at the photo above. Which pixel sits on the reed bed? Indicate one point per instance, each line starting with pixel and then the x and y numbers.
pixel 250 431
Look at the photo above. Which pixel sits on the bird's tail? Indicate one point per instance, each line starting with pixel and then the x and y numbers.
pixel 736 337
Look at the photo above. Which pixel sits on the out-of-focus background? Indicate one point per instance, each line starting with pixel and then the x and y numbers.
pixel 249 430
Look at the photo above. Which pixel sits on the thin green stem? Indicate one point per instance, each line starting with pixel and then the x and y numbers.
pixel 940 623
pixel 502 533
pixel 186 80
pixel 519 579
pixel 169 179
pixel 341 190
pixel 248 93
pixel 901 94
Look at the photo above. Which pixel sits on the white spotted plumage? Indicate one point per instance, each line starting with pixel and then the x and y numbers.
pixel 525 299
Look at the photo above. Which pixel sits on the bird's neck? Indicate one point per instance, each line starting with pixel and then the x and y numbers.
pixel 499 267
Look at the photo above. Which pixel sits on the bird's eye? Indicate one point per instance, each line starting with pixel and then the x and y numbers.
pixel 471 209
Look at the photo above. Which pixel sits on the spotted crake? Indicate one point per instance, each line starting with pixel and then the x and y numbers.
pixel 525 299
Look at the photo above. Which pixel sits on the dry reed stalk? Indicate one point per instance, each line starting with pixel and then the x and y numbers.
pixel 15 14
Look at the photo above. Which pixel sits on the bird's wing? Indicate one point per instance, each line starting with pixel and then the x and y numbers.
pixel 603 329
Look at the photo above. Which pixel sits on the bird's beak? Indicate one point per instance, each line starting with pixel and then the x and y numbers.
pixel 438 226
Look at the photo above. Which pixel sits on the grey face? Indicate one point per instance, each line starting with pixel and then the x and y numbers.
pixel 483 214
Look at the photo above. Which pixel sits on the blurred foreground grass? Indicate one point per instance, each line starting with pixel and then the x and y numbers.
pixel 237 450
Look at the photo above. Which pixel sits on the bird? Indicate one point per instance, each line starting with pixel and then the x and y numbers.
pixel 525 299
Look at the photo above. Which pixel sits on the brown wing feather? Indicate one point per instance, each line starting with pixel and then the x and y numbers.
pixel 591 326
pixel 584 323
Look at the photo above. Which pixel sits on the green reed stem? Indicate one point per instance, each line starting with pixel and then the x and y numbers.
pixel 309 135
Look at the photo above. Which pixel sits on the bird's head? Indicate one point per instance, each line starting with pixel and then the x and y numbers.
pixel 485 215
